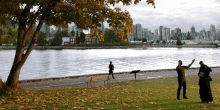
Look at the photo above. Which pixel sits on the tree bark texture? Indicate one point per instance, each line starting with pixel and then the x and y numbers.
pixel 21 55
pixel 3 88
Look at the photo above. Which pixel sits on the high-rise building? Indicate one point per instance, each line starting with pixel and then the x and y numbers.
pixel 177 33
pixel 138 32
pixel 160 32
pixel 164 33
pixel 156 37
pixel 192 32
pixel 149 35
pixel 207 37
pixel 46 29
pixel 212 32
pixel 202 35
pixel 172 34
pixel 167 33
pixel 218 33
pixel 145 31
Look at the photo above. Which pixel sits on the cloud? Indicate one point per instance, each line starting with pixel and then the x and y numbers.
pixel 176 13
pixel 217 1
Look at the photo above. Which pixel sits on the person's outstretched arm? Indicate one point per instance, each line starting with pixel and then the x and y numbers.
pixel 190 63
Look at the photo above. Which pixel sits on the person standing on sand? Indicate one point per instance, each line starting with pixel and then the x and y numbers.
pixel 181 78
pixel 111 68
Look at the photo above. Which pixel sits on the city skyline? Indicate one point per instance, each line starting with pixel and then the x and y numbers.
pixel 175 14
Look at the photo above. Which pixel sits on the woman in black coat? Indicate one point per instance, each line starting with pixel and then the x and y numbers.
pixel 204 83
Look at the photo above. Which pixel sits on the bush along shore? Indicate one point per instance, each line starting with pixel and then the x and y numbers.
pixel 113 46
pixel 155 94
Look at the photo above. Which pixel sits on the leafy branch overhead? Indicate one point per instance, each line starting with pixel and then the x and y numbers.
pixel 84 13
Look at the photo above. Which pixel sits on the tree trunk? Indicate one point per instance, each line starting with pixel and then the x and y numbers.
pixel 3 87
pixel 13 78
pixel 20 55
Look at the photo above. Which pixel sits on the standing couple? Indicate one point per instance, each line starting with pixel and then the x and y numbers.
pixel 204 81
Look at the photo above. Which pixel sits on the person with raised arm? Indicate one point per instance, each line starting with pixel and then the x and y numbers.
pixel 181 78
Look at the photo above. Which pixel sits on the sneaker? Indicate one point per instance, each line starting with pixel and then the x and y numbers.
pixel 178 98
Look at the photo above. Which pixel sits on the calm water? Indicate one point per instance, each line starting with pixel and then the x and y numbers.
pixel 70 62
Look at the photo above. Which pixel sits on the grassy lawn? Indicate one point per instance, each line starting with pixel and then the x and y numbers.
pixel 155 94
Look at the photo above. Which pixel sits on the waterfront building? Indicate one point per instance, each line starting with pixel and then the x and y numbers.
pixel 46 29
pixel 192 32
pixel 164 33
pixel 202 35
pixel 197 38
pixel 156 37
pixel 218 33
pixel 138 32
pixel 207 37
pixel 212 31
pixel 65 40
pixel 167 33
pixel 149 35
pixel 134 33
pixel 145 33
pixel 177 33
pixel 172 34
pixel 63 29
pixel 92 40
pixel 160 32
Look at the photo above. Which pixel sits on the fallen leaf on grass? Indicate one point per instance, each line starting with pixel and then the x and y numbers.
pixel 107 102
pixel 152 103
pixel 125 105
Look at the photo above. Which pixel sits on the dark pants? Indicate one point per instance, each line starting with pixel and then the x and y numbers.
pixel 111 72
pixel 181 83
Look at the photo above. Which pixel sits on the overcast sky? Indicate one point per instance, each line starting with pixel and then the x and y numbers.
pixel 175 14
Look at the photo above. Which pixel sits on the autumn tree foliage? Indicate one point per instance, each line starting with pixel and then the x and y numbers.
pixel 84 13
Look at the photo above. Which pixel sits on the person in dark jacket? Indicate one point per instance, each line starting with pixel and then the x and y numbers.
pixel 181 78
pixel 204 83
pixel 111 68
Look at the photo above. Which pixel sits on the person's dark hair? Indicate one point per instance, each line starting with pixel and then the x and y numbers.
pixel 180 62
pixel 110 61
pixel 201 62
